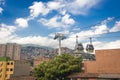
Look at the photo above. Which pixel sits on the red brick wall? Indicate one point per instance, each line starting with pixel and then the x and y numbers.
pixel 39 60
pixel 107 61
pixel 90 66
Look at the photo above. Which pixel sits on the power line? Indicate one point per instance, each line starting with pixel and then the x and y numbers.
pixel 108 37
pixel 114 18
pixel 100 37
pixel 97 35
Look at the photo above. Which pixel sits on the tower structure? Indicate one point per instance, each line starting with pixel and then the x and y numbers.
pixel 60 37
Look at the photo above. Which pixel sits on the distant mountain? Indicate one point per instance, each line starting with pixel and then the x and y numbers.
pixel 31 51
pixel 34 45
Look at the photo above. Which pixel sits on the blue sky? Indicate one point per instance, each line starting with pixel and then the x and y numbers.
pixel 37 21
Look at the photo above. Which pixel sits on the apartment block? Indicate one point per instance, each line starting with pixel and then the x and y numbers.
pixel 11 50
pixel 6 68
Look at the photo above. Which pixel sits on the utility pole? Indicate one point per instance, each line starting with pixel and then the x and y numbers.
pixel 60 37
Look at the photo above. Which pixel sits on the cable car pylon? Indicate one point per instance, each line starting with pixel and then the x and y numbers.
pixel 60 37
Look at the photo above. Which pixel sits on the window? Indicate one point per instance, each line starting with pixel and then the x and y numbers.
pixel 7 69
pixel 8 63
pixel 0 70
pixel 0 75
pixel 6 75
pixel 11 63
pixel 11 69
pixel 1 64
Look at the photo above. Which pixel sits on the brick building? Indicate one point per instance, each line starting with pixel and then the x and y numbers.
pixel 105 67
pixel 39 60
pixel 11 50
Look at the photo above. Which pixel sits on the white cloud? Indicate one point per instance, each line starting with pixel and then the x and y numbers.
pixel 2 2
pixel 101 29
pixel 107 45
pixel 58 21
pixel 84 36
pixel 62 11
pixel 38 8
pixel 76 29
pixel 54 5
pixel 51 23
pixel 116 27
pixel 94 31
pixel 80 6
pixel 21 22
pixel 107 20
pixel 39 40
pixel 74 7
pixel 7 33
pixel 67 20
pixel 69 42
pixel 1 10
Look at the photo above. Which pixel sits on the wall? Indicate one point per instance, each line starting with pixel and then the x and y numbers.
pixel 2 50
pixel 6 69
pixel 39 60
pixel 24 78
pixel 107 61
pixel 21 68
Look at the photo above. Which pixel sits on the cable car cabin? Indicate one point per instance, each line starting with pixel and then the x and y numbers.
pixel 90 48
pixel 79 47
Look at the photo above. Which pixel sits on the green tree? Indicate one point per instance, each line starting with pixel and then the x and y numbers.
pixel 58 68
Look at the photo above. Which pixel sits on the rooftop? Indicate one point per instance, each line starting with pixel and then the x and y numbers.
pixel 5 59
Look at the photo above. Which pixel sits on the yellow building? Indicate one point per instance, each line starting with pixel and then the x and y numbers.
pixel 6 68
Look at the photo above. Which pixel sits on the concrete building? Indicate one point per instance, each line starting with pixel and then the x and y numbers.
pixel 21 68
pixel 11 50
pixel 105 67
pixel 6 68
pixel 22 71
pixel 2 50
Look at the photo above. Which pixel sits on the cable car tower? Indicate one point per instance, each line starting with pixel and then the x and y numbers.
pixel 60 37
pixel 90 47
